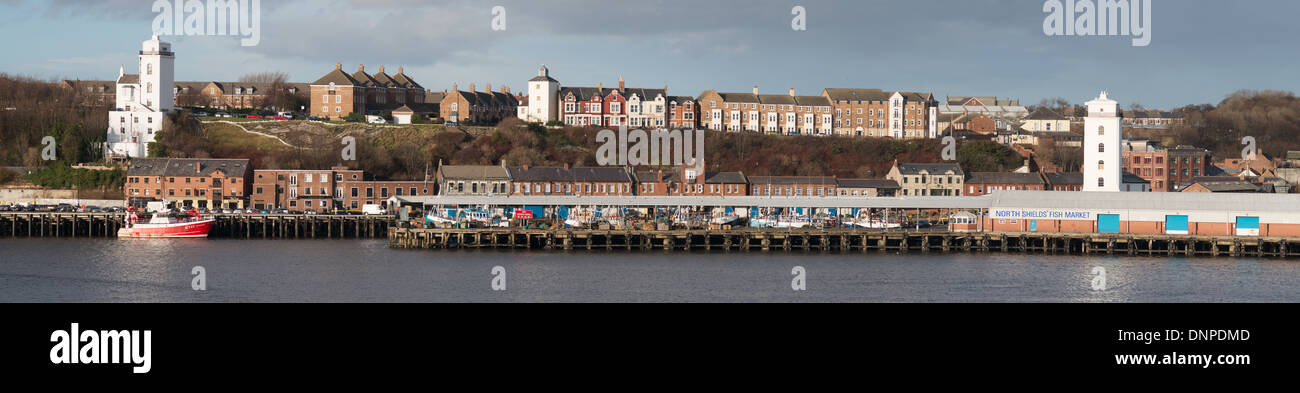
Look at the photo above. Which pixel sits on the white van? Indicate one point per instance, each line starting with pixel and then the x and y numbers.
pixel 372 119
pixel 373 210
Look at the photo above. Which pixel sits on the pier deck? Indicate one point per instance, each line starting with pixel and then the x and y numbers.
pixel 238 226
pixel 846 240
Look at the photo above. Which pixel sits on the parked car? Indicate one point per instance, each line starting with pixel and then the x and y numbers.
pixel 223 114
pixel 202 114
pixel 253 116
pixel 280 118
pixel 314 118
pixel 4 208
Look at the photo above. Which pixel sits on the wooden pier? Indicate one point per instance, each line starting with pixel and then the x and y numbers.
pixel 235 226
pixel 846 240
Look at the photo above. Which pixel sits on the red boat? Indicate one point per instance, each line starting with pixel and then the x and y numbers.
pixel 166 225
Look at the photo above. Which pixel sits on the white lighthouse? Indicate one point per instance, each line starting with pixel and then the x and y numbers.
pixel 143 101
pixel 1102 133
pixel 543 98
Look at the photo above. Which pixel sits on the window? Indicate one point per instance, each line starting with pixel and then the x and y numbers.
pixel 1101 147
pixel 1101 130
pixel 1101 182
pixel 1101 164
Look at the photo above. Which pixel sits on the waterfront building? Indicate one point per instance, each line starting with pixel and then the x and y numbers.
pixel 597 181
pixel 877 113
pixel 325 190
pixel 301 190
pixel 868 187
pixel 787 114
pixel 488 180
pixel 793 186
pixel 982 183
pixel 928 179
pixel 189 182
pixel 684 181
pixel 143 101
pixel 1102 133
pixel 1073 181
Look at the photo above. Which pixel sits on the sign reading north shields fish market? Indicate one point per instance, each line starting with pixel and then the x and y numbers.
pixel 1041 214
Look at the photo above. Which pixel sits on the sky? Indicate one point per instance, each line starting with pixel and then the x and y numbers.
pixel 1200 50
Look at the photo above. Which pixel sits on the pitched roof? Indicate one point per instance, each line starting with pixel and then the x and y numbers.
pixel 585 93
pixel 554 174
pixel 916 169
pixel 1004 178
pixel 338 78
pixel 1042 113
pixel 474 172
pixel 709 177
pixel 434 96
pixel 788 180
pixel 837 94
pixel 1076 178
pixel 129 78
pixel 186 167
pixel 868 183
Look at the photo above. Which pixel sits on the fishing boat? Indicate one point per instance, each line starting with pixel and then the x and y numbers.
pixel 166 224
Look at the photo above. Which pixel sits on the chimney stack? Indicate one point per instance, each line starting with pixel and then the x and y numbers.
pixel 792 92
pixel 600 86
pixel 755 89
pixel 489 88
pixel 471 88
pixel 361 68
pixel 338 66
pixel 381 69
pixel 401 70
pixel 620 82
pixel 505 89
pixel 453 87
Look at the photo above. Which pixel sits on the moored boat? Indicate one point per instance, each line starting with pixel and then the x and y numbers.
pixel 167 225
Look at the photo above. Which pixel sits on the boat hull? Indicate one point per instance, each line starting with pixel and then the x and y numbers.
pixel 186 230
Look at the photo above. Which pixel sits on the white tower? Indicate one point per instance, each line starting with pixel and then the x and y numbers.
pixel 143 101
pixel 156 74
pixel 1102 133
pixel 543 97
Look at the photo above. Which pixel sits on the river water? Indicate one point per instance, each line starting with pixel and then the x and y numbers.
pixel 113 270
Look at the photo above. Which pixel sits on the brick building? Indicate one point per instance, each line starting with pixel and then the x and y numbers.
pixel 1165 169
pixel 477 107
pixel 684 182
pixel 876 113
pixel 189 182
pixel 338 94
pixel 820 186
pixel 983 183
pixel 338 188
pixel 683 113
pixel 783 114
pixel 602 181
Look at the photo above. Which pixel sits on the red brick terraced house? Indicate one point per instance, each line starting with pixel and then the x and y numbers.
pixel 684 182
pixel 189 182
pixel 601 181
